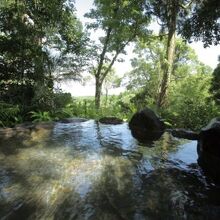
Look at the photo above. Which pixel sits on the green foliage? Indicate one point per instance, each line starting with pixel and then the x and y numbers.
pixel 203 23
pixel 55 105
pixel 190 105
pixel 146 77
pixel 84 108
pixel 215 84
pixel 117 106
pixel 40 116
pixel 29 32
pixel 24 63
pixel 120 28
pixel 189 102
pixel 62 99
pixel 66 112
pixel 51 106
pixel 43 99
pixel 9 114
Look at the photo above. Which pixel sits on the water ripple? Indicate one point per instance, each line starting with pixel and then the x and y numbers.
pixel 87 170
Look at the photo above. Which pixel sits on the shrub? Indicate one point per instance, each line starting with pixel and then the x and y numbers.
pixel 9 114
pixel 62 99
pixel 190 104
pixel 40 116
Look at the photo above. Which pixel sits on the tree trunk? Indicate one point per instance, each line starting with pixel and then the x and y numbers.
pixel 98 91
pixel 170 53
pixel 106 96
pixel 167 70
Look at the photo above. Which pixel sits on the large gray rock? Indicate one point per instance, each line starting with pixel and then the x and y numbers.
pixel 145 125
pixel 209 149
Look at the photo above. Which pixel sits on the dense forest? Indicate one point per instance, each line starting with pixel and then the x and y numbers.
pixel 42 42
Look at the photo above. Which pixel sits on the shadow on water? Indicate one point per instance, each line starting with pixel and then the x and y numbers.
pixel 88 170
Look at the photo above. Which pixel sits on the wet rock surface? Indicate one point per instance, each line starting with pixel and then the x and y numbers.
pixel 209 149
pixel 28 128
pixel 209 140
pixel 111 120
pixel 183 133
pixel 145 125
pixel 25 129
pixel 72 120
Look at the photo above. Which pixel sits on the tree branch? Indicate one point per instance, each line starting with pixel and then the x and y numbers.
pixel 102 55
pixel 116 55
pixel 107 39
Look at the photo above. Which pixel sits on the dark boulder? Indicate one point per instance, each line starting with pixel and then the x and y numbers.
pixel 111 120
pixel 145 125
pixel 209 149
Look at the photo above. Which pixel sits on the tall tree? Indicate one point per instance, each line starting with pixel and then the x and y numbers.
pixel 144 80
pixel 169 13
pixel 121 21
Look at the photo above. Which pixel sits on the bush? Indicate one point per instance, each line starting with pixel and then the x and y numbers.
pixel 43 99
pixel 9 114
pixel 62 99
pixel 40 116
pixel 190 114
pixel 190 104
pixel 117 106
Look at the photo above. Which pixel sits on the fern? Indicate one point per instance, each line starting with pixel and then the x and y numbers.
pixel 8 114
pixel 40 116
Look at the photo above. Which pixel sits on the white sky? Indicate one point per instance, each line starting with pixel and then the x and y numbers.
pixel 208 56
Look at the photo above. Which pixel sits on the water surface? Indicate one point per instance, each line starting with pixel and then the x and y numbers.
pixel 87 170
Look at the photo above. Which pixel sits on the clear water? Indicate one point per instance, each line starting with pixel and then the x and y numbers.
pixel 86 170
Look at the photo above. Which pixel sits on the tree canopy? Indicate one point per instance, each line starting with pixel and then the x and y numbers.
pixel 30 32
pixel 120 28
pixel 43 42
pixel 203 22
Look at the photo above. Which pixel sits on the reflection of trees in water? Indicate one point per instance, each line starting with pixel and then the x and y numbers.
pixel 111 195
pixel 114 147
pixel 119 193
pixel 117 184
pixel 158 152
pixel 66 134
